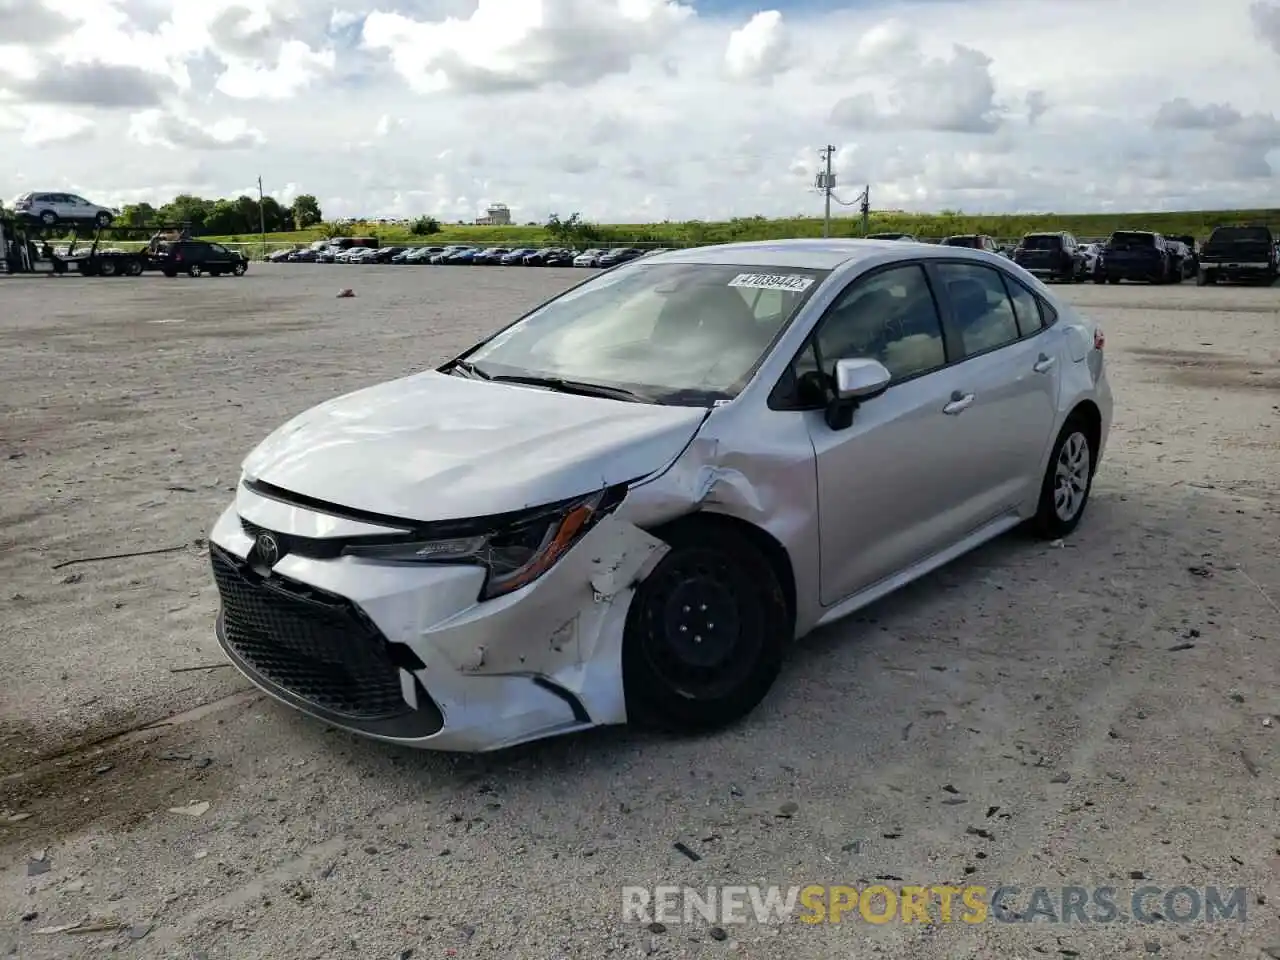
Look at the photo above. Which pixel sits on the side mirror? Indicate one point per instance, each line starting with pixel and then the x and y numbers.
pixel 861 379
pixel 856 380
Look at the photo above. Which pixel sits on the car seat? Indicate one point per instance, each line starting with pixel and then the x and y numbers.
pixel 718 314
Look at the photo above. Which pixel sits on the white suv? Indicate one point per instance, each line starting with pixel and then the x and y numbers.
pixel 49 208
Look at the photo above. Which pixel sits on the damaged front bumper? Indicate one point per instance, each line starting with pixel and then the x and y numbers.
pixel 405 653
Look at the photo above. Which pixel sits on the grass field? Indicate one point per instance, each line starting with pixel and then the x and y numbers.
pixel 1198 223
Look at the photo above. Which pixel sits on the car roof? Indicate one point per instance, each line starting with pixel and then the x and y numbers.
pixel 814 254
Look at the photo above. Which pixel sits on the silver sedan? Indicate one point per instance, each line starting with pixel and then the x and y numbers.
pixel 625 505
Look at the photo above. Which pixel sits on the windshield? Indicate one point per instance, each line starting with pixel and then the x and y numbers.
pixel 673 332
pixel 1131 239
pixel 1237 234
pixel 1042 241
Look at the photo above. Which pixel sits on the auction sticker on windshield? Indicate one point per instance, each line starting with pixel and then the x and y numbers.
pixel 773 281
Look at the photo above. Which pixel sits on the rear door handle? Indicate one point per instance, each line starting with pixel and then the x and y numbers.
pixel 1043 365
pixel 959 403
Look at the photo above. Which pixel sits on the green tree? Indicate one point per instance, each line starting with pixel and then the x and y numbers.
pixel 186 208
pixel 306 212
pixel 424 226
pixel 277 217
pixel 332 230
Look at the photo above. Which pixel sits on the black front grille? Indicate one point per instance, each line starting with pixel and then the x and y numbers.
pixel 313 644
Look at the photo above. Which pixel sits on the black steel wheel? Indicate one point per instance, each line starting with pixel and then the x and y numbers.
pixel 705 632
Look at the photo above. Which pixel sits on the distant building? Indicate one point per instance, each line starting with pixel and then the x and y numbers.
pixel 498 215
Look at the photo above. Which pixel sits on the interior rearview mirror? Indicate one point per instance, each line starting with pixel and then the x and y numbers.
pixel 861 379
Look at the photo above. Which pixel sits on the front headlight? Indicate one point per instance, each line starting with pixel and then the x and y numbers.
pixel 514 554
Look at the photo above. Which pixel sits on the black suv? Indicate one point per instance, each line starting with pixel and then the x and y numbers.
pixel 1139 255
pixel 1244 254
pixel 195 257
pixel 1052 256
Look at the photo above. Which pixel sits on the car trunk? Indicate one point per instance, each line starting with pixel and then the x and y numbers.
pixel 1135 250
pixel 1243 246
pixel 1042 254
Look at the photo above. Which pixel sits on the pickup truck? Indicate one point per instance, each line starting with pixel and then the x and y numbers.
pixel 1239 254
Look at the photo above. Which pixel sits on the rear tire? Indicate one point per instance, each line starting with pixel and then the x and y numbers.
pixel 1113 280
pixel 170 272
pixel 106 268
pixel 1204 278
pixel 704 634
pixel 193 270
pixel 1068 479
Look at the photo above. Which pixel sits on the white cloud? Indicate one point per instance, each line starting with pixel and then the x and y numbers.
pixel 523 44
pixel 759 49
pixel 643 109
pixel 43 127
pixel 296 67
pixel 156 128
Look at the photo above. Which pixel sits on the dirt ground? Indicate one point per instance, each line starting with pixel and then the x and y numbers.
pixel 1100 713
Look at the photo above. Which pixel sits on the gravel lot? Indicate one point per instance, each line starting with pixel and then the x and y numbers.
pixel 1032 715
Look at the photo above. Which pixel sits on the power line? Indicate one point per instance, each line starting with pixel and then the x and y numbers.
pixel 825 181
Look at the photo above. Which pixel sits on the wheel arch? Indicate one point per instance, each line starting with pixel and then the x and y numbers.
pixel 1087 414
pixel 774 553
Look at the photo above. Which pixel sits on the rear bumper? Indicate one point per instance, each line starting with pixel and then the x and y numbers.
pixel 1254 268
pixel 1133 271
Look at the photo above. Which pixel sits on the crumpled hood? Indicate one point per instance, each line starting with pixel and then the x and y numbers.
pixel 439 447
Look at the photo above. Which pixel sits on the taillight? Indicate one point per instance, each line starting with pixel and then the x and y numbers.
pixel 1099 338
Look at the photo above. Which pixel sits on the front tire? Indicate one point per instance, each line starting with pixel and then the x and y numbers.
pixel 705 632
pixel 1068 479
pixel 239 269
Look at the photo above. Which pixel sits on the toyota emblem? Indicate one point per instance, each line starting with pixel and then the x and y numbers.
pixel 268 549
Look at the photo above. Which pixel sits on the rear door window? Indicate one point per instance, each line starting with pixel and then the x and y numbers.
pixel 980 305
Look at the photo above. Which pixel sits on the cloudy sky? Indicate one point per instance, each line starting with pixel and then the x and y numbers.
pixel 635 110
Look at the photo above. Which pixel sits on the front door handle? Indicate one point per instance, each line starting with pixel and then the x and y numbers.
pixel 959 403
pixel 1043 364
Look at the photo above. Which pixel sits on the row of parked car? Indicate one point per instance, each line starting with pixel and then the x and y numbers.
pixel 344 251
pixel 1247 254
pixel 1233 253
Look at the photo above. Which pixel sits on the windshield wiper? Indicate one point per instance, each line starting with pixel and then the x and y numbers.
pixel 574 386
pixel 470 369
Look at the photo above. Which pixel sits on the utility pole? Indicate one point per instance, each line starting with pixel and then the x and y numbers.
pixel 866 210
pixel 262 219
pixel 826 182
